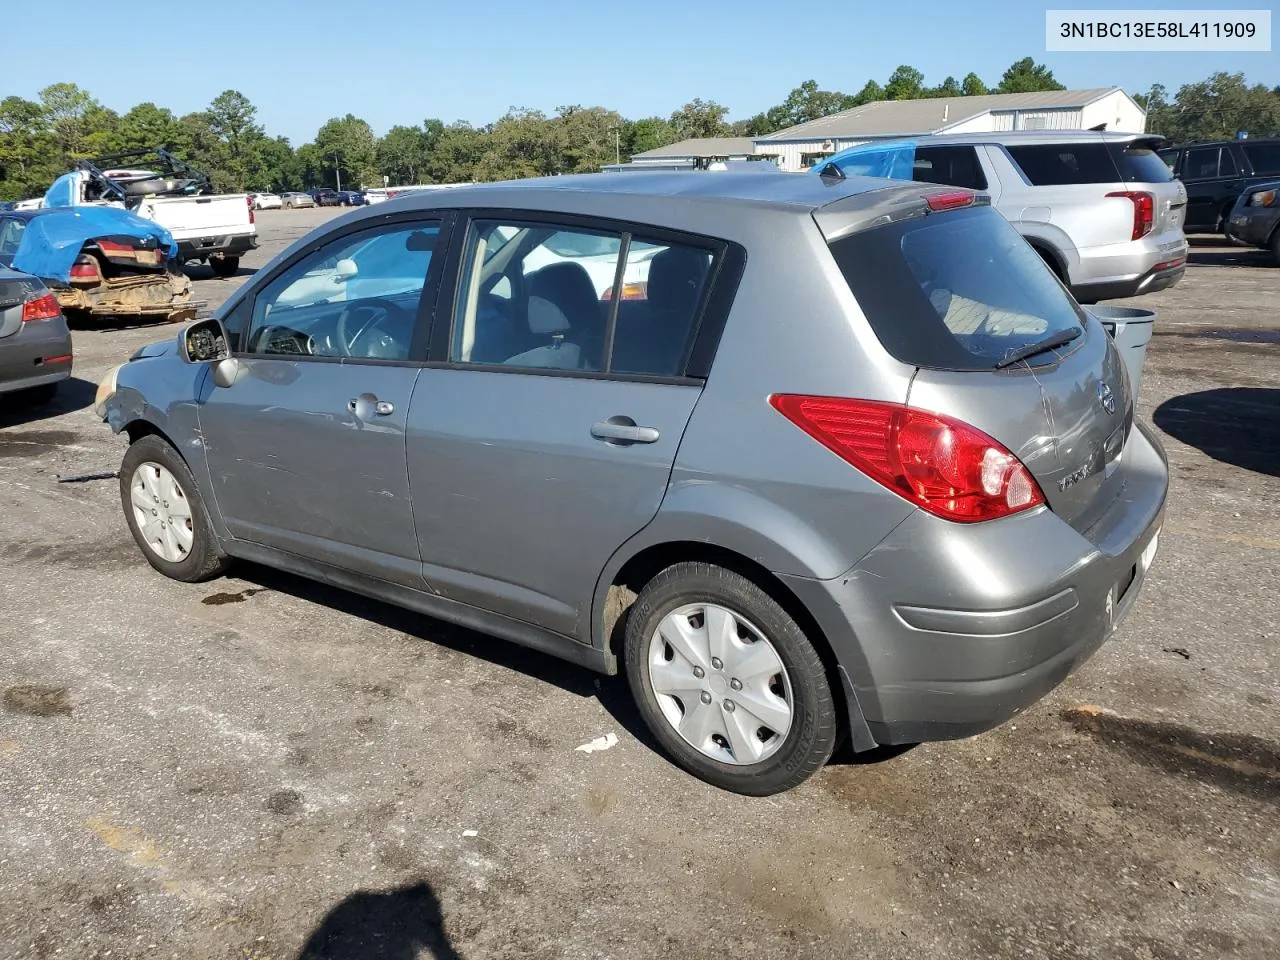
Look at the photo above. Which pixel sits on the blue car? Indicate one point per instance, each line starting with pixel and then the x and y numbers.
pixel 352 198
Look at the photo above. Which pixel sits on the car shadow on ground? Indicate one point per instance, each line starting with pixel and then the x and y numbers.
pixel 73 394
pixel 396 924
pixel 78 321
pixel 1233 257
pixel 1236 425
pixel 612 692
pixel 202 271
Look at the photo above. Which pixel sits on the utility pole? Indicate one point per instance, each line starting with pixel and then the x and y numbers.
pixel 617 144
pixel 337 175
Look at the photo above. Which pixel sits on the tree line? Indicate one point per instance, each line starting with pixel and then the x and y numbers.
pixel 40 139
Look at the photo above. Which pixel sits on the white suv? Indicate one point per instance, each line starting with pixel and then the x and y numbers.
pixel 1102 208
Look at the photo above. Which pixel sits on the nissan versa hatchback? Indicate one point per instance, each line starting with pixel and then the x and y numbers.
pixel 850 464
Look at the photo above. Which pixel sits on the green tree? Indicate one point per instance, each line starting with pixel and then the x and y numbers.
pixel 648 133
pixel 700 118
pixel 906 83
pixel 73 117
pixel 870 93
pixel 455 154
pixel 1027 76
pixel 350 149
pixel 147 125
pixel 972 86
pixel 948 88
pixel 589 137
pixel 402 154
pixel 232 118
pixel 1219 107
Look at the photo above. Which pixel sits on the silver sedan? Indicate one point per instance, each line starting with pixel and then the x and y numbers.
pixel 35 344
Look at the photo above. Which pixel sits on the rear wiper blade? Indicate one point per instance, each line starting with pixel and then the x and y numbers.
pixel 1058 339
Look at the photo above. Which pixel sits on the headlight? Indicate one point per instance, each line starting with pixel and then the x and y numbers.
pixel 1264 198
pixel 105 389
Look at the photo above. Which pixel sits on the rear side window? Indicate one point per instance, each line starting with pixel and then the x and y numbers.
pixel 1056 164
pixel 1265 157
pixel 1139 164
pixel 954 291
pixel 949 166
pixel 1202 163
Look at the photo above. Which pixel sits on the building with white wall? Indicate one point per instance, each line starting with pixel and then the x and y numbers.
pixel 1102 108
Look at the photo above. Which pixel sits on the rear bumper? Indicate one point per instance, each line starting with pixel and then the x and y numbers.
pixel 1160 277
pixel 201 248
pixel 1253 226
pixel 947 630
pixel 24 356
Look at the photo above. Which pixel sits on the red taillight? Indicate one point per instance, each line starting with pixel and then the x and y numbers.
pixel 251 220
pixel 1144 211
pixel 41 308
pixel 85 268
pixel 947 467
pixel 114 249
pixel 949 200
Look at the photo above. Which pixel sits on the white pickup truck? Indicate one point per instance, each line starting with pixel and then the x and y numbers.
pixel 210 228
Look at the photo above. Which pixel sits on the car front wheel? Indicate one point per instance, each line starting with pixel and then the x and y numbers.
pixel 165 513
pixel 224 266
pixel 728 682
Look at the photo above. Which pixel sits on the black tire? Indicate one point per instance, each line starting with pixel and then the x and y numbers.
pixel 204 560
pixel 1275 245
pixel 224 267
pixel 814 728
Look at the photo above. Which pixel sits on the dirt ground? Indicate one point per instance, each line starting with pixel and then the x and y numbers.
pixel 265 768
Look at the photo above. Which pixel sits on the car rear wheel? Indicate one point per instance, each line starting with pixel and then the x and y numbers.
pixel 224 266
pixel 728 682
pixel 1275 245
pixel 165 513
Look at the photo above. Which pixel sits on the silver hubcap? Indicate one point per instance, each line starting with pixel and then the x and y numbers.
pixel 162 511
pixel 720 683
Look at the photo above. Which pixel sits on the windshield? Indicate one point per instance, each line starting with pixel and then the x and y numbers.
pixel 956 291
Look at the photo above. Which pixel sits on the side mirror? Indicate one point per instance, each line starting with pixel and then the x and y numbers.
pixel 344 270
pixel 203 342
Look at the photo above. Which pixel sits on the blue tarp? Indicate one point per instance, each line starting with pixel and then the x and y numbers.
pixel 894 160
pixel 53 240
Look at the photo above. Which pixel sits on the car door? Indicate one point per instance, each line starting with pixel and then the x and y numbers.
pixel 542 435
pixel 306 448
pixel 1205 190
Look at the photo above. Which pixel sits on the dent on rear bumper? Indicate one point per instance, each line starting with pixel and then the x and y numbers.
pixel 950 629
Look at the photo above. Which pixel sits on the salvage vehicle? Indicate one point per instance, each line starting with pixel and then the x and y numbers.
pixel 35 344
pixel 1255 219
pixel 1217 172
pixel 102 262
pixel 857 466
pixel 209 227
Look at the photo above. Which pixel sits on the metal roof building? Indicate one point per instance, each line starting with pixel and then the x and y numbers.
pixel 803 145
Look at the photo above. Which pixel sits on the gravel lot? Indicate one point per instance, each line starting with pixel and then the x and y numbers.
pixel 238 769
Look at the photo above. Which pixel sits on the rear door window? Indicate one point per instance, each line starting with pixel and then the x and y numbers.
pixel 949 166
pixel 954 291
pixel 1202 164
pixel 1056 164
pixel 1265 157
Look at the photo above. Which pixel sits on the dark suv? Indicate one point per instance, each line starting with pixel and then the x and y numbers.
pixel 324 197
pixel 1216 173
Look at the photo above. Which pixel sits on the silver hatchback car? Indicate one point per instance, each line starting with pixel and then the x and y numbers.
pixel 848 462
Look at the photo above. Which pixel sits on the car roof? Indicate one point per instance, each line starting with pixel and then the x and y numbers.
pixel 1030 137
pixel 799 192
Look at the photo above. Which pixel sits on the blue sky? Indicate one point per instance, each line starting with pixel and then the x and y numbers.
pixel 398 61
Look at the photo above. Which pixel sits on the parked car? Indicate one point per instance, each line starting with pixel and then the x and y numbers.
pixel 1255 219
pixel 1100 208
pixel 351 198
pixel 375 195
pixel 265 200
pixel 326 198
pixel 1217 172
pixel 294 200
pixel 101 261
pixel 35 344
pixel 857 466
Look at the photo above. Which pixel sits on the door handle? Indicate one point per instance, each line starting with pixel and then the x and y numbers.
pixel 623 431
pixel 367 403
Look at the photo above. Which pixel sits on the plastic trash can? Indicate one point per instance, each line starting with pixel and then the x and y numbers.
pixel 1130 327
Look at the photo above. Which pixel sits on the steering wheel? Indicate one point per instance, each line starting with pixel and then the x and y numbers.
pixel 379 311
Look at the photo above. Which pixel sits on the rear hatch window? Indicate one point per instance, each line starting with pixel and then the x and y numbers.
pixel 955 291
